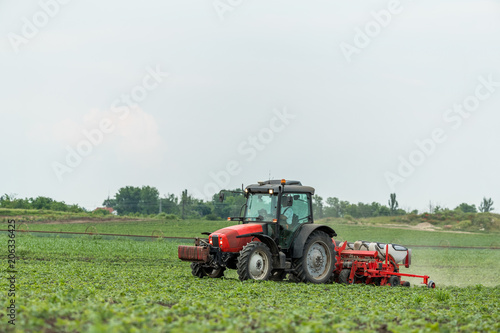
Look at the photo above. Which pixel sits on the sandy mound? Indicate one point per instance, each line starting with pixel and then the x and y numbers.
pixel 425 225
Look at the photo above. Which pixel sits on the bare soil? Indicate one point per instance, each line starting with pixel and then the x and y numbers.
pixel 424 226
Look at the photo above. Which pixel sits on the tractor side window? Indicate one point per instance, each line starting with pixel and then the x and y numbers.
pixel 295 210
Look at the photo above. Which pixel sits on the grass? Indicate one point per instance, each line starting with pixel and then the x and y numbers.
pixel 193 228
pixel 173 228
pixel 447 220
pixel 43 215
pixel 87 284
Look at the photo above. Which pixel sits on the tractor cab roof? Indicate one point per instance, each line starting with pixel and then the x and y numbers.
pixel 291 186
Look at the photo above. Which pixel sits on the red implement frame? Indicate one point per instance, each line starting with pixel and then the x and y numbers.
pixel 366 267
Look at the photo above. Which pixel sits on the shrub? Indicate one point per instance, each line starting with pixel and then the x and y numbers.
pixel 170 216
pixel 101 212
pixel 349 217
pixel 161 215
pixel 483 220
pixel 212 217
pixel 465 224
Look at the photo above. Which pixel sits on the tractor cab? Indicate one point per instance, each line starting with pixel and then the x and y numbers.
pixel 283 206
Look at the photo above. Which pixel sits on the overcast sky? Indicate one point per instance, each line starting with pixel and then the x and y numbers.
pixel 357 99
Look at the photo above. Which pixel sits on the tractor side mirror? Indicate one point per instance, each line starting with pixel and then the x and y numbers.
pixel 221 196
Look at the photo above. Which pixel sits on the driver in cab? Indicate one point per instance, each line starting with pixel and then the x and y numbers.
pixel 287 210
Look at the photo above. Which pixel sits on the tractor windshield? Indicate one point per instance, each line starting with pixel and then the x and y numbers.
pixel 261 207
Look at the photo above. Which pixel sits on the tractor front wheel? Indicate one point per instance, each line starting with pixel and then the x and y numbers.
pixel 318 260
pixel 254 262
pixel 200 271
pixel 215 273
pixel 197 270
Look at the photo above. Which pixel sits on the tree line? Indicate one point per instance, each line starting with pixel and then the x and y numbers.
pixel 146 200
pixel 9 201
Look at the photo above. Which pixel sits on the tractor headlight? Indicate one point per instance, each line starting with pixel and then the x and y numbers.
pixel 271 191
pixel 222 242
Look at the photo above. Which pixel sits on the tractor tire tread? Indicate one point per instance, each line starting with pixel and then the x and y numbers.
pixel 242 265
pixel 344 276
pixel 299 274
pixel 197 270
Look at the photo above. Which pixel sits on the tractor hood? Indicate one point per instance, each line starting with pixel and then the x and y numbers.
pixel 226 240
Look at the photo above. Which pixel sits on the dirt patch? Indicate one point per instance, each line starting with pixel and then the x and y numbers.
pixel 425 226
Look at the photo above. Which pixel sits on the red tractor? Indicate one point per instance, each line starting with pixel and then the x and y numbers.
pixel 277 236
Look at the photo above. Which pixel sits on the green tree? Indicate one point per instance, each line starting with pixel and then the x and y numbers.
pixel 149 200
pixel 170 204
pixel 127 200
pixel 202 208
pixel 135 200
pixel 232 204
pixel 333 207
pixel 384 211
pixel 59 206
pixel 110 203
pixel 466 208
pixel 486 206
pixel 22 204
pixel 393 204
pixel 41 203
pixel 186 202
pixel 317 206
pixel 365 210
pixel 352 210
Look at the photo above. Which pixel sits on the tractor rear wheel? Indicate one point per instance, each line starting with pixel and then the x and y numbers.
pixel 255 262
pixel 318 260
pixel 344 276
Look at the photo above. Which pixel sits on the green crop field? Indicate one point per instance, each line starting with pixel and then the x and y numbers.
pixel 193 228
pixel 92 284
pixel 446 266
